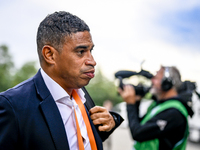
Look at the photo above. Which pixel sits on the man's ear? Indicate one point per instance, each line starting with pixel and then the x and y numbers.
pixel 48 53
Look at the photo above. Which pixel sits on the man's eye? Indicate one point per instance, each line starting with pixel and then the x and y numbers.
pixel 81 52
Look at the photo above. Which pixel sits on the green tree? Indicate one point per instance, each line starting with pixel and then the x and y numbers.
pixel 25 72
pixel 101 89
pixel 9 75
pixel 6 66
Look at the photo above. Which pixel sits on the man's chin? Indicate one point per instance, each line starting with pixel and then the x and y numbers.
pixel 84 83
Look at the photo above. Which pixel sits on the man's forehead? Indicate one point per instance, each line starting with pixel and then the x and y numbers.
pixel 79 37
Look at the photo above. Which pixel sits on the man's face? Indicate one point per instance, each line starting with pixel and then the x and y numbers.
pixel 74 65
pixel 156 82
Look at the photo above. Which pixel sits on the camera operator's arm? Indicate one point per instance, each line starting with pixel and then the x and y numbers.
pixel 151 128
pixel 133 102
pixel 129 96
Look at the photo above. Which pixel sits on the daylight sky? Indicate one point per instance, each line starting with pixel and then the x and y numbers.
pixel 125 32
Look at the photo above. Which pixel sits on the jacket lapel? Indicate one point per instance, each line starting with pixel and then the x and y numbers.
pixel 96 135
pixel 51 114
pixel 88 105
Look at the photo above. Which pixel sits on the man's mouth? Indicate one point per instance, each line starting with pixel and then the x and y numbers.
pixel 90 74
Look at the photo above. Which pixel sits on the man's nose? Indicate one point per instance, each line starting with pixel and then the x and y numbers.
pixel 90 61
pixel 152 80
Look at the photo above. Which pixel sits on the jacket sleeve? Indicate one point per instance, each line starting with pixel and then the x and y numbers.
pixel 118 120
pixel 8 125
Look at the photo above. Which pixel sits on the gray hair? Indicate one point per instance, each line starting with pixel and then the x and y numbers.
pixel 175 75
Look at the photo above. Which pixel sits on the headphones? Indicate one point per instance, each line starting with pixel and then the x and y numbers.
pixel 167 81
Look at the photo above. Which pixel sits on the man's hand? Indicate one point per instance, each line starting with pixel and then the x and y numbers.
pixel 101 116
pixel 128 94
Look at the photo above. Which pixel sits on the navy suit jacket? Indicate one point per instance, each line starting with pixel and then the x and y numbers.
pixel 30 119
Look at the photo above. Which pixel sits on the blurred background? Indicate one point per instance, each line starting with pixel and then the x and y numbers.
pixel 125 33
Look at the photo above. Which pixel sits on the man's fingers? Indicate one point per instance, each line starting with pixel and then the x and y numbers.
pixel 101 116
pixel 100 121
pixel 97 109
pixel 95 116
pixel 104 128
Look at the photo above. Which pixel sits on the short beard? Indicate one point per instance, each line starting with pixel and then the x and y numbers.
pixel 155 91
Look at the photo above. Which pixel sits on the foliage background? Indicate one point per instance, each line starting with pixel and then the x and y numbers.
pixel 11 76
pixel 101 89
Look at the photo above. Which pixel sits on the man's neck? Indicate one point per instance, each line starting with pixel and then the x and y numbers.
pixel 168 94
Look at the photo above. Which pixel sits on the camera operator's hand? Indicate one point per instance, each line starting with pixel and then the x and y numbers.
pixel 128 94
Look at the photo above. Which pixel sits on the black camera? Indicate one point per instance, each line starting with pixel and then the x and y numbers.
pixel 140 89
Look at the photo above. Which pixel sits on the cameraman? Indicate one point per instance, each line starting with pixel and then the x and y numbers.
pixel 165 125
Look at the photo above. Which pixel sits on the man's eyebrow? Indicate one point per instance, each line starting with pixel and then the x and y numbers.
pixel 83 47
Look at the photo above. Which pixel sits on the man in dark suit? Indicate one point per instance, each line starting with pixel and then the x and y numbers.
pixel 39 113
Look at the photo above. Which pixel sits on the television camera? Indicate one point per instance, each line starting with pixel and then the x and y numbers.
pixel 139 89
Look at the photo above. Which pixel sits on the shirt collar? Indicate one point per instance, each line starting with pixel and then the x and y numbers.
pixel 57 91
